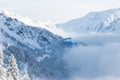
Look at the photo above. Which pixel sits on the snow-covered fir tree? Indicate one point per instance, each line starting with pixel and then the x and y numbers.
pixel 26 75
pixel 13 71
pixel 2 69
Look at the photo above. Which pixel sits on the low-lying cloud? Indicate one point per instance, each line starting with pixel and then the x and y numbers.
pixel 94 62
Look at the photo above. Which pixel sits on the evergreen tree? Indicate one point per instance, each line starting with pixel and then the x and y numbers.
pixel 13 71
pixel 26 75
pixel 2 69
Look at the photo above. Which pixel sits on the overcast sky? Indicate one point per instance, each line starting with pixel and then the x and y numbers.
pixel 56 10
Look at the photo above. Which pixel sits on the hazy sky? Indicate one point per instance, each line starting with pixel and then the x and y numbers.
pixel 56 10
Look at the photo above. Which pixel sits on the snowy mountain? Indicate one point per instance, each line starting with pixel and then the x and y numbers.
pixel 48 25
pixel 100 22
pixel 32 45
pixel 101 32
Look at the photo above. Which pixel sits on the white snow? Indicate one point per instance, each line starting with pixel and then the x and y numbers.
pixel 100 22
pixel 48 25
pixel 42 58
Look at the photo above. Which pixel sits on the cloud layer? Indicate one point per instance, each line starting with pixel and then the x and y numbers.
pixel 95 62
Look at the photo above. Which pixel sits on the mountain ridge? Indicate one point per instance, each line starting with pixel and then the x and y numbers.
pixel 48 25
pixel 96 22
pixel 36 47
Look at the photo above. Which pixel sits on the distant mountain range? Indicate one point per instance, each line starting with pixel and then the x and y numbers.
pixel 99 22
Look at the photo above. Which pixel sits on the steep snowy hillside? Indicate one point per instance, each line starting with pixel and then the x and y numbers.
pixel 102 22
pixel 46 25
pixel 35 47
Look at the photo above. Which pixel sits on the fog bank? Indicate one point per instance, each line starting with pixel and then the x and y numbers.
pixel 101 62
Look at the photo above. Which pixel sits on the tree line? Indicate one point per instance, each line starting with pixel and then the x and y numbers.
pixel 12 71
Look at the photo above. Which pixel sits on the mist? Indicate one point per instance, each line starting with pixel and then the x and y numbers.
pixel 94 62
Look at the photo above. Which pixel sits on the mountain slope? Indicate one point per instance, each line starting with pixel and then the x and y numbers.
pixel 46 25
pixel 100 22
pixel 39 49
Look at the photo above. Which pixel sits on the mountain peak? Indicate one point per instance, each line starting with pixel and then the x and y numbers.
pixel 7 13
pixel 4 12
pixel 104 21
pixel 35 23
